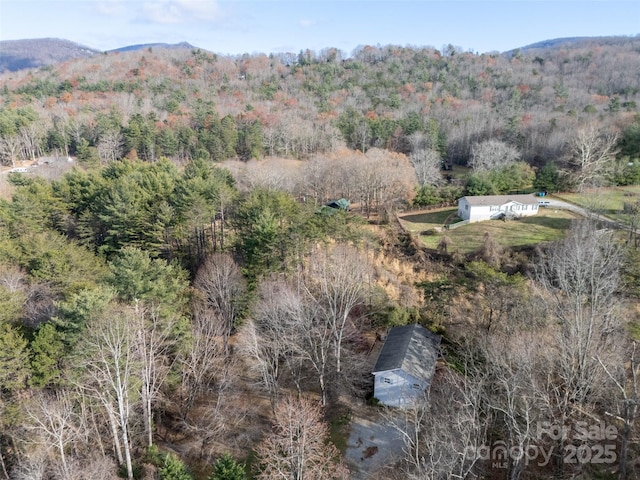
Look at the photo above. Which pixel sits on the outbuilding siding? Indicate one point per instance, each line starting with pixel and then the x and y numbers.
pixel 405 365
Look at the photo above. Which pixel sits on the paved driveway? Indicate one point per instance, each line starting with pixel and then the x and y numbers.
pixel 546 202
pixel 373 446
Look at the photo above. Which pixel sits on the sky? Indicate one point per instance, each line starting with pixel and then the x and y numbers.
pixel 276 26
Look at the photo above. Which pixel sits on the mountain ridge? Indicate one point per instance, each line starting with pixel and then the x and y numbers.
pixel 39 52
pixel 143 46
pixel 23 54
pixel 561 42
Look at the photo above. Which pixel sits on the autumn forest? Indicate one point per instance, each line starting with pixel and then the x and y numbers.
pixel 177 300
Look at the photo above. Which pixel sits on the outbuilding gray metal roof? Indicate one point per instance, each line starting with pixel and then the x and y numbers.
pixel 411 348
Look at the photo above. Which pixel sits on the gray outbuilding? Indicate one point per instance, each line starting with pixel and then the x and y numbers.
pixel 405 365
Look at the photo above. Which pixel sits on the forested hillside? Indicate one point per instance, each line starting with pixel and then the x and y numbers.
pixel 39 52
pixel 178 301
pixel 184 104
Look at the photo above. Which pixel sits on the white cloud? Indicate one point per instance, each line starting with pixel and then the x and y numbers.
pixel 111 8
pixel 161 12
pixel 181 11
pixel 307 23
pixel 203 9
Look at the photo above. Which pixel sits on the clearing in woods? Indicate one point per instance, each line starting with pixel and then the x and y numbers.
pixel 549 225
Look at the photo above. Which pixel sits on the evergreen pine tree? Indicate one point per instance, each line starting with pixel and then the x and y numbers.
pixel 226 468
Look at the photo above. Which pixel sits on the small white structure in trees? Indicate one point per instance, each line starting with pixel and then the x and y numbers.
pixel 405 365
pixel 491 207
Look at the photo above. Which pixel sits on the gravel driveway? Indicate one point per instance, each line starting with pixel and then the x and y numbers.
pixel 373 446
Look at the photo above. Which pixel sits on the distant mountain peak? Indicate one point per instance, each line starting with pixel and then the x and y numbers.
pixel 144 46
pixel 40 52
pixel 566 42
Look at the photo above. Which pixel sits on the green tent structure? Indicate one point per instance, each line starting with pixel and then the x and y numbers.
pixel 330 208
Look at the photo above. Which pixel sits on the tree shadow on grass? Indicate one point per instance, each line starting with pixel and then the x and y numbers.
pixel 432 217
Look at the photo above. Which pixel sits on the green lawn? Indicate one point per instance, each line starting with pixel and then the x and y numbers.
pixel 421 222
pixel 548 225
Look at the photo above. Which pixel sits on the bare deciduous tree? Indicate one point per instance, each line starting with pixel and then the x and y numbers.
pixel 10 146
pixel 95 467
pixel 419 140
pixel 383 180
pixel 204 354
pixel 31 136
pixel 316 181
pixel 289 324
pixel 625 377
pixel 12 278
pixel 53 420
pixel 223 290
pixel 31 467
pixel 298 448
pixel 110 146
pixel 262 343
pixel 512 389
pixel 492 155
pixel 220 411
pixel 591 153
pixel 338 280
pixel 109 361
pixel 269 175
pixel 577 280
pixel 154 341
pixel 428 166
pixel 443 430
pixel 39 305
pixel 311 339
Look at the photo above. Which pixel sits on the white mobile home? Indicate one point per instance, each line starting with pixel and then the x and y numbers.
pixel 405 365
pixel 490 207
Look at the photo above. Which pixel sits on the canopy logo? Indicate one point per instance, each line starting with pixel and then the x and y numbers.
pixel 579 443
